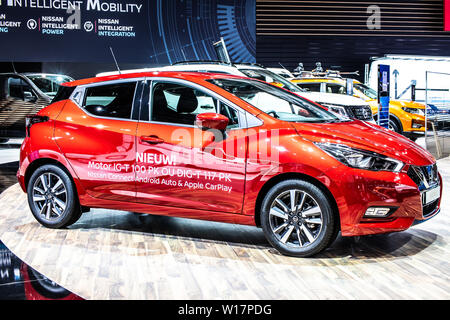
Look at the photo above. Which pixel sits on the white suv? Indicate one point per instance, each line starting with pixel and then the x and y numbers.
pixel 344 105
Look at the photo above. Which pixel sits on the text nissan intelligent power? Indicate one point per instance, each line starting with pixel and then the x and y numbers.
pixel 222 148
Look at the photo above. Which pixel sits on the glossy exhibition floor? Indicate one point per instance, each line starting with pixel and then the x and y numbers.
pixel 124 255
pixel 17 280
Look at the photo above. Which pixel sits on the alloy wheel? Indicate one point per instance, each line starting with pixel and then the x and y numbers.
pixel 50 196
pixel 295 218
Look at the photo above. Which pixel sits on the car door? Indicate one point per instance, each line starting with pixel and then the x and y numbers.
pixel 97 134
pixel 18 101
pixel 181 165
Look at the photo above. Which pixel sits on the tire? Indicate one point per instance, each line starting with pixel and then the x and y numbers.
pixel 46 287
pixel 394 126
pixel 56 206
pixel 311 210
pixel 4 140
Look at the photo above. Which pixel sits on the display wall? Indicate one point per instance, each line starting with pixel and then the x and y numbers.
pixel 149 32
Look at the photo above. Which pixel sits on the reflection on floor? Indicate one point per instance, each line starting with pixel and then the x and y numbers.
pixel 21 282
pixel 17 280
pixel 124 255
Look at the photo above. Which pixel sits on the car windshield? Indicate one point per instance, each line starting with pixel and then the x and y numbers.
pixel 372 94
pixel 278 103
pixel 49 84
pixel 271 77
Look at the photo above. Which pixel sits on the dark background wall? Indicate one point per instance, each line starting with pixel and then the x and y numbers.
pixel 164 32
pixel 335 32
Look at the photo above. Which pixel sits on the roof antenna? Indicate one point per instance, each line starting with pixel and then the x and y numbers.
pixel 114 57
pixel 283 66
pixel 14 67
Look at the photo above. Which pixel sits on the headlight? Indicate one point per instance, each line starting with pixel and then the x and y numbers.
pixel 336 109
pixel 413 110
pixel 360 159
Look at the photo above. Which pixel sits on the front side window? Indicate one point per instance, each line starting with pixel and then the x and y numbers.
pixel 179 104
pixel 112 101
pixel 278 103
pixel 19 89
pixel 232 115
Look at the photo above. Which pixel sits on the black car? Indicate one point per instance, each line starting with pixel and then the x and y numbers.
pixel 24 94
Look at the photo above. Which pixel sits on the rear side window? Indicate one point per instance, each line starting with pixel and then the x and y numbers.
pixel 112 101
pixel 63 93
pixel 310 87
pixel 336 88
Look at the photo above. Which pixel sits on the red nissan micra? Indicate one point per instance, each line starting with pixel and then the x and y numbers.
pixel 222 148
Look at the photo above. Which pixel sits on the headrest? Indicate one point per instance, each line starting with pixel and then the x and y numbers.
pixel 159 99
pixel 188 101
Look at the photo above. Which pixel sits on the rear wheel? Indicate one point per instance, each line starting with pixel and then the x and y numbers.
pixel 297 218
pixel 52 197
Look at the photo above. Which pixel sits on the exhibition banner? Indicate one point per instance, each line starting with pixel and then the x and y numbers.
pixel 139 31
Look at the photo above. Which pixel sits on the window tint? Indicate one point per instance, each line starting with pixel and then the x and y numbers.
pixel 336 88
pixel 175 103
pixel 310 87
pixel 63 93
pixel 19 89
pixel 114 100
pixel 231 114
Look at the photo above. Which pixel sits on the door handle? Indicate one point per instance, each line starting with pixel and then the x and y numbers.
pixel 151 139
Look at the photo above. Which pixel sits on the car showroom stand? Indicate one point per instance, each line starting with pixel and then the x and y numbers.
pixel 123 255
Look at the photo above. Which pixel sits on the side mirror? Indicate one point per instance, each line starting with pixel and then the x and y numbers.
pixel 214 121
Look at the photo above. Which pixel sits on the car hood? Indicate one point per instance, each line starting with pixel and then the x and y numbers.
pixel 332 98
pixel 367 136
pixel 408 104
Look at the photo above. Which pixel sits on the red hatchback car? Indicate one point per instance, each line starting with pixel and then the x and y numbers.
pixel 222 148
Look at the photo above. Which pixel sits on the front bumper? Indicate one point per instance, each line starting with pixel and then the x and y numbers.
pixel 358 190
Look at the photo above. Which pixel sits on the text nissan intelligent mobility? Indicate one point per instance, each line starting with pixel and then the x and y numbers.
pixel 222 148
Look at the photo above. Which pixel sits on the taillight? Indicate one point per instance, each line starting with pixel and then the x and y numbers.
pixel 30 120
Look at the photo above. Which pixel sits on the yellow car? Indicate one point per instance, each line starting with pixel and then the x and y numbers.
pixel 406 117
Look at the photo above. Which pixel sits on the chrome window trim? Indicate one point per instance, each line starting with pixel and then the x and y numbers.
pixel 247 120
pixel 81 92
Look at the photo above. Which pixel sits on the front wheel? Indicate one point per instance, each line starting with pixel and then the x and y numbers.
pixel 297 218
pixel 394 126
pixel 52 197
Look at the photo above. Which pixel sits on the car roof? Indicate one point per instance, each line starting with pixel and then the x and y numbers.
pixel 194 76
pixel 44 74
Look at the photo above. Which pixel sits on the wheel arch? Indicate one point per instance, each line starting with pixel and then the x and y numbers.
pixel 391 117
pixel 33 166
pixel 299 176
pixel 397 120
